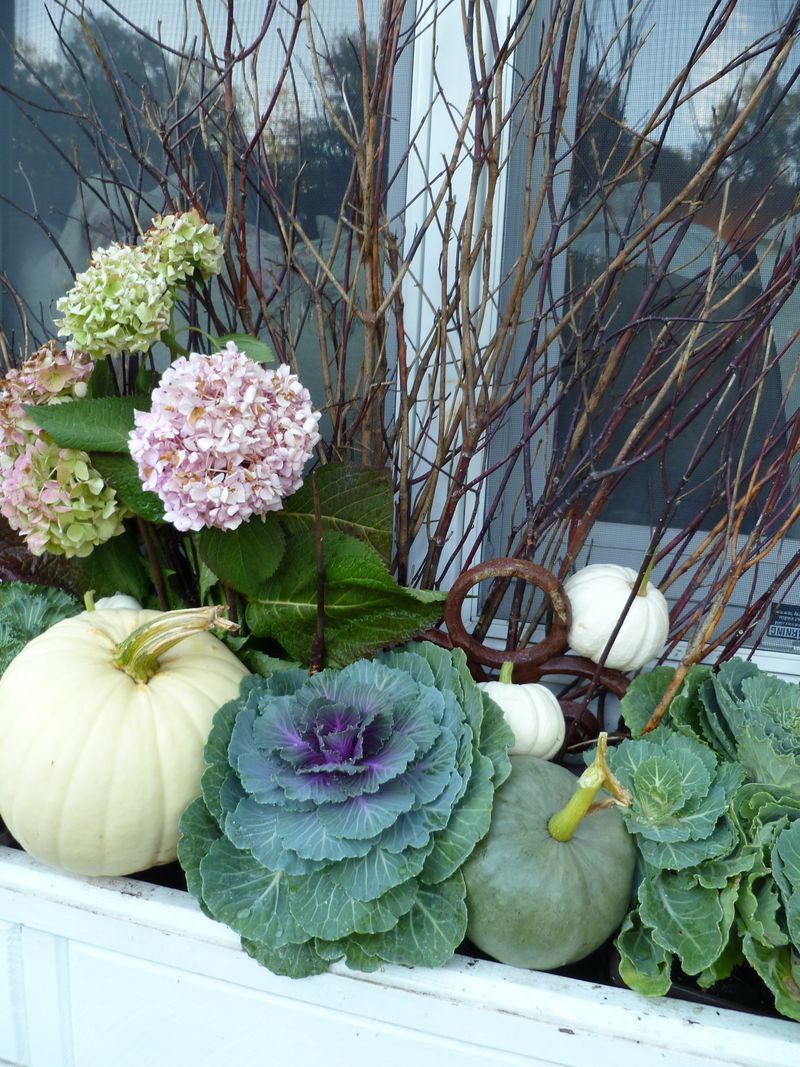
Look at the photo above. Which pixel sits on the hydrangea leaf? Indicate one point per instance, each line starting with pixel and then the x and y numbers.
pixel 251 899
pixel 643 966
pixel 91 425
pixel 779 969
pixel 244 557
pixel 323 909
pixel 121 473
pixel 253 348
pixel 692 922
pixel 290 961
pixel 429 934
pixel 353 500
pixel 364 606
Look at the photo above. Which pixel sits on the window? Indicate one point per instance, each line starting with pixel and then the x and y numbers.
pixel 702 291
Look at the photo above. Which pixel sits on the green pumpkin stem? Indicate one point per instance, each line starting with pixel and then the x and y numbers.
pixel 139 653
pixel 506 673
pixel 564 823
pixel 642 590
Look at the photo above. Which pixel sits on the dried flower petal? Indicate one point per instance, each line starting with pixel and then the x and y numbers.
pixel 183 244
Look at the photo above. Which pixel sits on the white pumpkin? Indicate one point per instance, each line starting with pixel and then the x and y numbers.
pixel 118 600
pixel 532 712
pixel 96 766
pixel 597 595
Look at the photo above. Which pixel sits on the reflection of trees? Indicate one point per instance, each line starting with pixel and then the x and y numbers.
pixel 311 153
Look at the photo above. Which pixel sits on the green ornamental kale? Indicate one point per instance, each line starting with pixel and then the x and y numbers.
pixel 26 611
pixel 716 815
pixel 338 809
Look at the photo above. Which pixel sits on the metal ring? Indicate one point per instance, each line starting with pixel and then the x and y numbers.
pixel 532 655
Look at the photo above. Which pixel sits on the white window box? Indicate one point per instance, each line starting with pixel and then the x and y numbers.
pixel 115 971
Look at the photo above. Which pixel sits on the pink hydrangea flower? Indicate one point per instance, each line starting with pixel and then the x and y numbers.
pixel 225 439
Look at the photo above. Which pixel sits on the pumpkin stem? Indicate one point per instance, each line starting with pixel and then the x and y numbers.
pixel 507 672
pixel 642 590
pixel 139 653
pixel 88 600
pixel 564 823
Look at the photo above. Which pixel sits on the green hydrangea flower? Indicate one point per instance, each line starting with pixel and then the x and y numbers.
pixel 184 244
pixel 123 302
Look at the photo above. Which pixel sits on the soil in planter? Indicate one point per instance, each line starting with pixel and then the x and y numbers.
pixel 741 992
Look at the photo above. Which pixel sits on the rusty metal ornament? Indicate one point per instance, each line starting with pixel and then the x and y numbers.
pixel 546 657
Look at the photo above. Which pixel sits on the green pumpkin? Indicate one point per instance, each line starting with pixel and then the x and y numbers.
pixel 536 902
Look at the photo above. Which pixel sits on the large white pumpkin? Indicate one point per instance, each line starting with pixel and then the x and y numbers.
pixel 598 595
pixel 96 767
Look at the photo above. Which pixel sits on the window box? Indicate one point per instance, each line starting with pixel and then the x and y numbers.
pixel 117 970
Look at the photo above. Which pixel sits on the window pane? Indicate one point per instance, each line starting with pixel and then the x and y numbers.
pixel 67 120
pixel 688 328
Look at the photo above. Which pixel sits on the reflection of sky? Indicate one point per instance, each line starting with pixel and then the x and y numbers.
pixel 671 29
pixel 34 28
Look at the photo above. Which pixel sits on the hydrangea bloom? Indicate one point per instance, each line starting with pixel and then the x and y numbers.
pixel 58 502
pixel 226 439
pixel 121 303
pixel 182 244
pixel 50 375
pixel 52 496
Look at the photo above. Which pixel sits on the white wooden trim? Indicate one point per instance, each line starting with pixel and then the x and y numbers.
pixel 95 972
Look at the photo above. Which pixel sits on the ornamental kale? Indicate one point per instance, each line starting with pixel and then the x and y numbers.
pixel 28 610
pixel 338 809
pixel 716 815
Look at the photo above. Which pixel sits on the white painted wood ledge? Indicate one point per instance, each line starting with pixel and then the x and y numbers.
pixel 120 973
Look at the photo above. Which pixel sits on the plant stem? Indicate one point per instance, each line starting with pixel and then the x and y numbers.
pixel 642 590
pixel 139 653
pixel 565 822
pixel 507 673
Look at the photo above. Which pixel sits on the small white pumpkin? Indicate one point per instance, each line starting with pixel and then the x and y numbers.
pixel 532 712
pixel 597 595
pixel 118 600
pixel 103 720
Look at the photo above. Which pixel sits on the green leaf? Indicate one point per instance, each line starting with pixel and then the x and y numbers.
pixel 693 922
pixel 96 425
pixel 643 696
pixel 251 899
pixel 429 934
pixel 122 474
pixel 353 500
pixel 644 966
pixel 290 961
pixel 779 969
pixel 198 830
pixel 117 566
pixel 323 909
pixel 245 557
pixel 365 609
pixel 258 351
pixel 468 824
pixel 261 663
